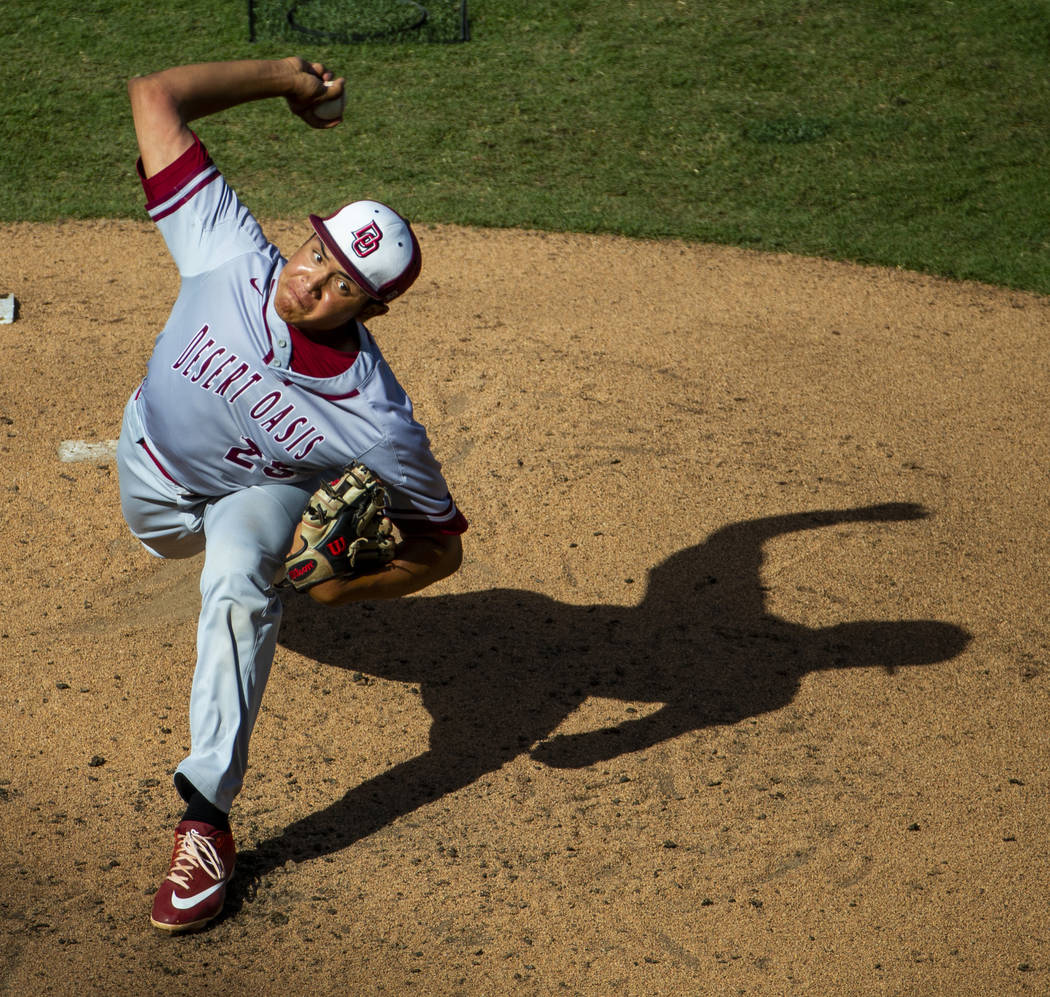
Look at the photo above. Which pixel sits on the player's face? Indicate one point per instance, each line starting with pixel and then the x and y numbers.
pixel 313 293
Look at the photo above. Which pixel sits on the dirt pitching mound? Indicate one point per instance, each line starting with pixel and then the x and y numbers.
pixel 742 687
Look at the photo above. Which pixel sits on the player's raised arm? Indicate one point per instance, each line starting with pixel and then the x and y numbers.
pixel 163 103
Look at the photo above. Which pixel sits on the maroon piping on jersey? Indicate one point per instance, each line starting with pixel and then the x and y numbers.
pixel 451 521
pixel 186 197
pixel 338 398
pixel 160 466
pixel 266 325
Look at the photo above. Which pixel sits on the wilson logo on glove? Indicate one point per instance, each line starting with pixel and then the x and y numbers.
pixel 301 570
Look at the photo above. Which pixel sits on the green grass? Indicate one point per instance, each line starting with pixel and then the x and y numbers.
pixel 910 133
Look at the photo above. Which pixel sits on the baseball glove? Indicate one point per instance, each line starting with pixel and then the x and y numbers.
pixel 344 532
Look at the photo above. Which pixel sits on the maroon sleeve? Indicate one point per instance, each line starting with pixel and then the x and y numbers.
pixel 162 185
pixel 417 527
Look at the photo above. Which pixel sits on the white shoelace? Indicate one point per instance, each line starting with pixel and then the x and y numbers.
pixel 195 852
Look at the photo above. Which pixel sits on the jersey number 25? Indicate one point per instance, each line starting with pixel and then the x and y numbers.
pixel 248 456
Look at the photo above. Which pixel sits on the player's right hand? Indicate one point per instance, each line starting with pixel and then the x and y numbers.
pixel 308 89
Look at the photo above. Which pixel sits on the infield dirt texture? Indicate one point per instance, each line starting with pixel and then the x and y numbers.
pixel 711 708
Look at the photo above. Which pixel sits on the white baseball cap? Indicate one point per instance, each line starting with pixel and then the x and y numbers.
pixel 374 245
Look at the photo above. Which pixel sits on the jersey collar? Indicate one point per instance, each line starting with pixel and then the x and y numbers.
pixel 279 354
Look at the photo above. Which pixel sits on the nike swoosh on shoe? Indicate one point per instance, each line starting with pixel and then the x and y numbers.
pixel 185 903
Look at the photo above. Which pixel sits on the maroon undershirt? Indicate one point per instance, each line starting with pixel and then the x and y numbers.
pixel 316 359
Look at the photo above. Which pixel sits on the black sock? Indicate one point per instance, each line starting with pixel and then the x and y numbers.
pixel 204 810
pixel 200 808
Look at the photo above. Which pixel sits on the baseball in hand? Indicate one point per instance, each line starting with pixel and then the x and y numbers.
pixel 330 110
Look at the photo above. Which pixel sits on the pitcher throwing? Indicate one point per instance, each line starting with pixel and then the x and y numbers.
pixel 263 384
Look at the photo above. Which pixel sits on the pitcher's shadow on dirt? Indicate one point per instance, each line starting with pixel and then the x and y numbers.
pixel 499 671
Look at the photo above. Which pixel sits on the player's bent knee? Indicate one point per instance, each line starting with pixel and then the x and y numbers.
pixel 245 572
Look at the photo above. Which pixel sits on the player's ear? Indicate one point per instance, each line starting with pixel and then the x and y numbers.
pixel 373 310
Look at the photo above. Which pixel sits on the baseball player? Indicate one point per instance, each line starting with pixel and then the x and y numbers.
pixel 262 384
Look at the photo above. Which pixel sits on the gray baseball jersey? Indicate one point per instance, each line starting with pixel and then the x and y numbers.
pixel 223 440
pixel 222 406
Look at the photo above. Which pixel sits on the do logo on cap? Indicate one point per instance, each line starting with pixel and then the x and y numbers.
pixel 367 239
pixel 387 253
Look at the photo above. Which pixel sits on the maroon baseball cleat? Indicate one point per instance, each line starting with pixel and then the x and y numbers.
pixel 195 888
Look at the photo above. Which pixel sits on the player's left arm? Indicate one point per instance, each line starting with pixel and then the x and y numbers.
pixel 420 561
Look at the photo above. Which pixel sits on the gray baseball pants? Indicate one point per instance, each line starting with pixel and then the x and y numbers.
pixel 244 535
